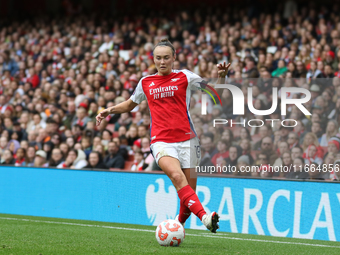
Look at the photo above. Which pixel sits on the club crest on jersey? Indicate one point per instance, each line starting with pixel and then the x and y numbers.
pixel 174 80
pixel 152 84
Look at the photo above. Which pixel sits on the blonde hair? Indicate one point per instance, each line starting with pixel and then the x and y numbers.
pixel 315 140
pixel 329 134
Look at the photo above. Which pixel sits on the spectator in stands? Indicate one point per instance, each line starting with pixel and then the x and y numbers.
pixel 145 148
pixel 293 140
pixel 132 134
pixel 205 156
pixel 284 131
pixel 300 130
pixel 32 136
pixel 315 172
pixel 142 131
pixel 71 113
pixel 13 145
pixel 266 171
pixel 311 139
pixel 36 124
pixel 78 73
pixel 95 161
pixel 7 158
pixel 56 158
pixel 4 103
pixel 138 163
pixel 76 159
pixel 281 69
pixel 21 157
pixel 329 164
pixel 333 145
pixel 31 150
pixel 244 134
pixel 296 152
pixel 3 144
pixel 267 147
pixel 264 131
pixel 122 131
pixel 122 145
pixel 64 149
pixel 286 165
pixel 311 156
pixel 40 159
pixel 48 147
pixel 262 158
pixel 251 69
pixel 222 147
pixel 99 148
pixel 314 72
pixel 81 116
pixel 242 163
pixel 298 171
pixel 124 120
pixel 106 137
pixel 234 153
pixel 283 147
pixel 86 145
pixel 9 64
pixel 114 159
pixel 332 129
pixel 317 130
pixel 207 143
pixel 246 149
pixel 56 140
pixel 315 92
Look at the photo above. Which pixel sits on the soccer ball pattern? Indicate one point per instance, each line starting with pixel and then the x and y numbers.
pixel 170 233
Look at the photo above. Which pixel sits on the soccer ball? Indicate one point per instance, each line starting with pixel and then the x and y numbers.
pixel 170 233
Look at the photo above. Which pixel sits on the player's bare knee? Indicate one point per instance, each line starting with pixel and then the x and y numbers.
pixel 177 179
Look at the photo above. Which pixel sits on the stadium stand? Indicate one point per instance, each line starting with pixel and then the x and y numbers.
pixel 56 78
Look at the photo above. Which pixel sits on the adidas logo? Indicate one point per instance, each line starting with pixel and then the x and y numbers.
pixel 191 202
pixel 174 80
pixel 152 84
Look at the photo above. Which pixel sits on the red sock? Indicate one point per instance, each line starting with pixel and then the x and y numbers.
pixel 189 199
pixel 184 213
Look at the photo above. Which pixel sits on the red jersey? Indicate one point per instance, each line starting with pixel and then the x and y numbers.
pixel 169 101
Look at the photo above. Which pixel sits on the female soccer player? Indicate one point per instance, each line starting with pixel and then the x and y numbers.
pixel 174 143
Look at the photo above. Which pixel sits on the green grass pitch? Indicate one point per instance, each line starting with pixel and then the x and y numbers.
pixel 40 235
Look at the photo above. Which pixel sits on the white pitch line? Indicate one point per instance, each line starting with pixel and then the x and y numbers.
pixel 152 231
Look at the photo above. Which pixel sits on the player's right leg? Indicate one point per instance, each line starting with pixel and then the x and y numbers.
pixel 167 157
pixel 210 221
pixel 186 194
pixel 184 212
pixel 171 167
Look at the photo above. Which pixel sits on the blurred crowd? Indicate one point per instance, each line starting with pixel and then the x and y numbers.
pixel 57 74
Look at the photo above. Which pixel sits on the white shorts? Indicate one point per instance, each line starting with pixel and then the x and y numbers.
pixel 188 152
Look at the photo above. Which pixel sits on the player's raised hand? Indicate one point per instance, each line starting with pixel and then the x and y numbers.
pixel 223 69
pixel 102 115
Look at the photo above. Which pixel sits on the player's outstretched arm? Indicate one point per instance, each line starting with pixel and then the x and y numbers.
pixel 222 72
pixel 126 106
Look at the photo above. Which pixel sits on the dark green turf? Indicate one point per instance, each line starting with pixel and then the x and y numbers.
pixel 29 237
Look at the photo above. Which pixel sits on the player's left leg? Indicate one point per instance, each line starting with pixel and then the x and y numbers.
pixel 191 178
